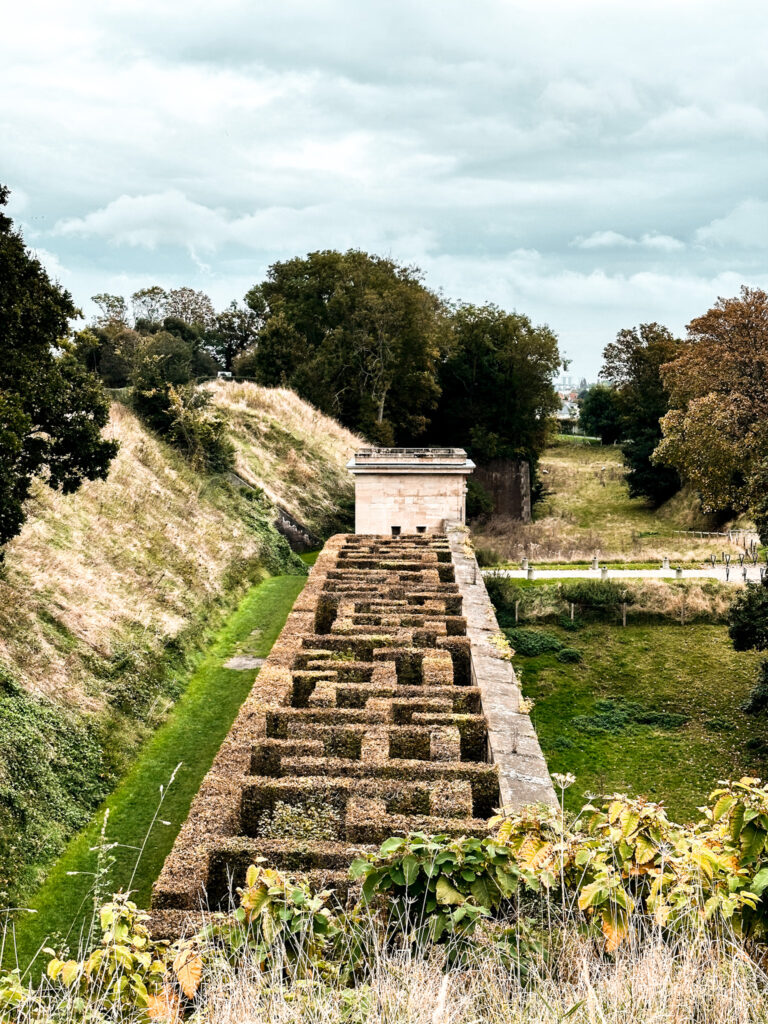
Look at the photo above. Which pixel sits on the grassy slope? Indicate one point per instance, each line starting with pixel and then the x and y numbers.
pixel 588 509
pixel 692 670
pixel 296 453
pixel 106 596
pixel 190 738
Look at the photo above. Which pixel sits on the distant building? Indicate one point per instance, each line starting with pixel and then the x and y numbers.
pixel 409 490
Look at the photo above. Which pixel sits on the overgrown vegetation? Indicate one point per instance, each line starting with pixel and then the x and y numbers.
pixel 108 595
pixel 748 629
pixel 715 433
pixel 586 510
pixel 546 600
pixel 170 765
pixel 518 904
pixel 51 409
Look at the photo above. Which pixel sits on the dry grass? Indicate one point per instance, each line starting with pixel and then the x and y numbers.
pixel 587 510
pixel 653 983
pixel 678 600
pixel 130 562
pixel 133 556
pixel 297 454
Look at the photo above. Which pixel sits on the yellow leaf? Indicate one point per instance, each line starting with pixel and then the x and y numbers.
pixel 189 970
pixel 614 931
pixel 69 972
pixel 540 858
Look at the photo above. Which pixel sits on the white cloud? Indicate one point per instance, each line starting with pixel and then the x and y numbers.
pixel 493 143
pixel 615 240
pixel 51 263
pixel 745 226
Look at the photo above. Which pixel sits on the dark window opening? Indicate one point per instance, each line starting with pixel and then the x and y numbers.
pixel 395 531
pixel 421 529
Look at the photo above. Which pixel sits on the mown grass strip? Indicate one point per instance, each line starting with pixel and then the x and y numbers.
pixel 585 721
pixel 190 737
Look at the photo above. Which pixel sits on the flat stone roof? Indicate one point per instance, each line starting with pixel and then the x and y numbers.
pixel 393 459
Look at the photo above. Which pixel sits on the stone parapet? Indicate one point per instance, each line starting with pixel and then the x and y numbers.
pixel 512 742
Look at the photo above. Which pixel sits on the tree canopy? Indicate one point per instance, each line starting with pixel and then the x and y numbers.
pixel 600 414
pixel 52 409
pixel 496 386
pixel 357 335
pixel 715 433
pixel 632 364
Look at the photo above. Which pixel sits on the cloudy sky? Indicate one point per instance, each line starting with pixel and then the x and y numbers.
pixel 592 164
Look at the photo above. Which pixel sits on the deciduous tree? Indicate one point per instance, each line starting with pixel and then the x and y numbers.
pixel 51 408
pixel 496 382
pixel 355 334
pixel 632 364
pixel 234 330
pixel 193 307
pixel 716 431
pixel 600 414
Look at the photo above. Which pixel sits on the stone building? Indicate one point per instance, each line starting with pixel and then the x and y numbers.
pixel 409 490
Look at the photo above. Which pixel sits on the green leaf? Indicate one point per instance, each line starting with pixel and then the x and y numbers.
pixel 437 925
pixel 736 822
pixel 485 892
pixel 390 845
pixel 723 805
pixel 410 869
pixel 371 883
pixel 759 882
pixel 358 867
pixel 753 843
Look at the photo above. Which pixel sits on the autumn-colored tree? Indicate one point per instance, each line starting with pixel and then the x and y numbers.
pixel 716 431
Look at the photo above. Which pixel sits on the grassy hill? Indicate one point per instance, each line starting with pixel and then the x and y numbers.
pixel 586 508
pixel 109 595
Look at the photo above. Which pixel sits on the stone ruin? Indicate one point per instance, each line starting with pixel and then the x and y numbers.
pixel 367 706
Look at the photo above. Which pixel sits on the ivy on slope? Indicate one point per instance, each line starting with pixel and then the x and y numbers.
pixel 53 773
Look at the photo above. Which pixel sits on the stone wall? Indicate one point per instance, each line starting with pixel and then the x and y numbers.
pixel 509 484
pixel 407 501
pixel 370 706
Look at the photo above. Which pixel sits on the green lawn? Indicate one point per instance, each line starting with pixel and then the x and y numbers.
pixel 189 738
pixel 691 671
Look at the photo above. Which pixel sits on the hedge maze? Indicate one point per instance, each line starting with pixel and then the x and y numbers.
pixel 363 723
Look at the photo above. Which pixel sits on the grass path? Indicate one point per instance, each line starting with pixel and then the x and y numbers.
pixel 190 737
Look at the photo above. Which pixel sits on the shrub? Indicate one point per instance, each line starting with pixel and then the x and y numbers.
pixel 479 501
pixel 531 642
pixel 614 717
pixel 487 556
pixel 594 594
pixel 201 435
pixel 757 701
pixel 748 618
pixel 432 888
pixel 568 655
pixel 314 819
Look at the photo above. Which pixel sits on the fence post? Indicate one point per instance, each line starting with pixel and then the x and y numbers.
pixel 517 607
pixel 624 613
